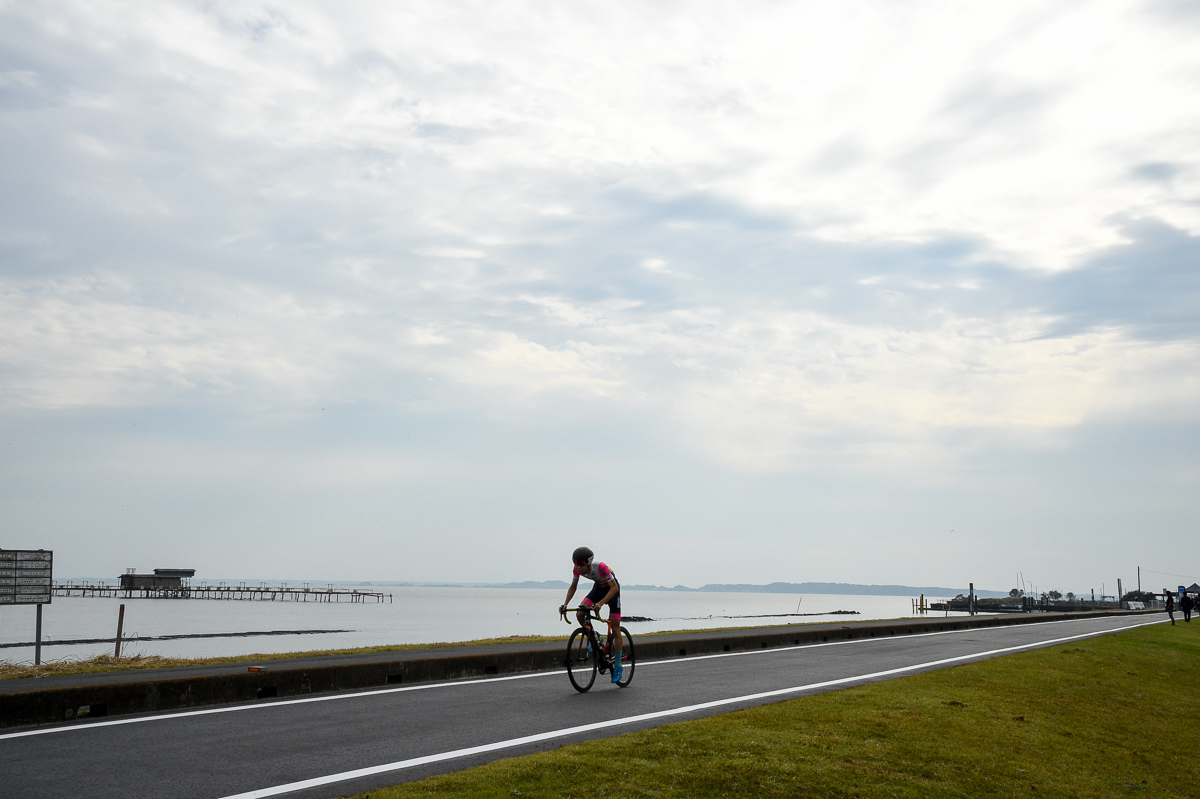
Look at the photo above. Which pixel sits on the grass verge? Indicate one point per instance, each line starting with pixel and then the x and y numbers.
pixel 102 663
pixel 1106 717
pixel 11 671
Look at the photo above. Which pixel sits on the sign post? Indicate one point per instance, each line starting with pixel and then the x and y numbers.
pixel 26 578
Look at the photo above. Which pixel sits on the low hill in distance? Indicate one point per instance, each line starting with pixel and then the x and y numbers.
pixel 741 588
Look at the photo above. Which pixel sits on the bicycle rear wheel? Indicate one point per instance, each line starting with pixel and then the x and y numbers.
pixel 581 661
pixel 628 659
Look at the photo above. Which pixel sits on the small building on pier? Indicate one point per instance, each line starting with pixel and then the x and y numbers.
pixel 161 579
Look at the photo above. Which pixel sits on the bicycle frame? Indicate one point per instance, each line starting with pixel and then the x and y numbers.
pixel 592 613
pixel 599 651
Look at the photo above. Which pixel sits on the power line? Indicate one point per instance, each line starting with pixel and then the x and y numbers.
pixel 1166 574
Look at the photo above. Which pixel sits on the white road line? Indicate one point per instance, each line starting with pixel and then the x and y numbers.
pixel 904 637
pixel 93 725
pixel 266 705
pixel 600 725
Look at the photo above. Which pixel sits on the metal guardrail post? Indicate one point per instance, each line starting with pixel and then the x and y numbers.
pixel 120 628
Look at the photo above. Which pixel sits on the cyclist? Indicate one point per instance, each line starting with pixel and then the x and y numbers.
pixel 606 590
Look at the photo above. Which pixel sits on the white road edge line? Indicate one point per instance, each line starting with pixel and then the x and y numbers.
pixel 600 725
pixel 79 726
pixel 872 640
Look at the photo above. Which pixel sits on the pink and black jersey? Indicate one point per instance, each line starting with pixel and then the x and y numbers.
pixel 599 573
pixel 605 580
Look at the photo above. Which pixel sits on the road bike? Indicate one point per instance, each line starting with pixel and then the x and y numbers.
pixel 587 655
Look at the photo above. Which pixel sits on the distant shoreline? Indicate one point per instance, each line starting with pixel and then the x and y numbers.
pixel 859 589
pixel 781 588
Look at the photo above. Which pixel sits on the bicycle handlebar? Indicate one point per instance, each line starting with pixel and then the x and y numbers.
pixel 593 613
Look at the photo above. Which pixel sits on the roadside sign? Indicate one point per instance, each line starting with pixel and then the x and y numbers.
pixel 26 576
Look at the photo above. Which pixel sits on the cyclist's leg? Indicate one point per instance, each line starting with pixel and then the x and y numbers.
pixel 614 628
pixel 614 621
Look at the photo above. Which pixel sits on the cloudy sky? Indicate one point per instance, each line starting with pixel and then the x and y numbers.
pixel 880 292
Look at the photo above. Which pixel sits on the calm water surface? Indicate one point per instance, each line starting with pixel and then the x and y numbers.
pixel 416 615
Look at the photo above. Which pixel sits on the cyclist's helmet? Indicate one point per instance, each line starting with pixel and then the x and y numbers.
pixel 584 554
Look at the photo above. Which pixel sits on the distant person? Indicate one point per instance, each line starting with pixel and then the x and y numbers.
pixel 1186 604
pixel 606 590
pixel 1171 608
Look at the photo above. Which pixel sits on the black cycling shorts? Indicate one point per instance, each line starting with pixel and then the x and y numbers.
pixel 598 592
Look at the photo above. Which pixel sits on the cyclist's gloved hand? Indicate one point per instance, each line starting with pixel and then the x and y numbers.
pixel 562 609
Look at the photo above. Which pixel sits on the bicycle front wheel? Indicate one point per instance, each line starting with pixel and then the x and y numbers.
pixel 628 659
pixel 581 661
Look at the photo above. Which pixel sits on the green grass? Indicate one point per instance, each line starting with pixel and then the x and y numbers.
pixel 1113 716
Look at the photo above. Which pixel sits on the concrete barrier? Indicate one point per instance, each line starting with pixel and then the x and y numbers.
pixel 143 692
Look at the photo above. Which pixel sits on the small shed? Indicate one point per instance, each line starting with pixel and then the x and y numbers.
pixel 162 578
pixel 182 574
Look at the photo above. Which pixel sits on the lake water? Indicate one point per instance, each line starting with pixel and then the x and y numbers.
pixel 416 615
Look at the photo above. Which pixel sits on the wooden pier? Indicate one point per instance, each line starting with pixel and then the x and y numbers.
pixel 1026 604
pixel 243 592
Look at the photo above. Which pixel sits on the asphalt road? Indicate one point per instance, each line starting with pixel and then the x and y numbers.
pixel 340 744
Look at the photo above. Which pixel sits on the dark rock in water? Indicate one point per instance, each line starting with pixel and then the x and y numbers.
pixel 844 613
pixel 636 618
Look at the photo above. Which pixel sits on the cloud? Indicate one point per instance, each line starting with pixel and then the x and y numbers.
pixel 760 241
pixel 1156 171
pixel 974 122
pixel 779 351
pixel 1149 286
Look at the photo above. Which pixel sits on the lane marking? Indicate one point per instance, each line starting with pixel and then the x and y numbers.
pixel 92 725
pixel 904 637
pixel 511 743
pixel 265 705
